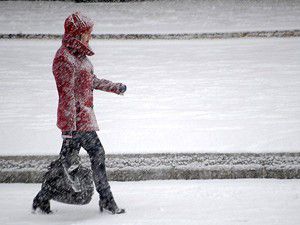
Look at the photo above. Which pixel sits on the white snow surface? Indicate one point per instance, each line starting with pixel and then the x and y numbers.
pixel 237 95
pixel 189 16
pixel 180 202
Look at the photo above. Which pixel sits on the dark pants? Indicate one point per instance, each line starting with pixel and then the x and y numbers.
pixel 69 156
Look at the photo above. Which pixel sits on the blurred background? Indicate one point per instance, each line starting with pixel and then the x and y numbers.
pixel 235 90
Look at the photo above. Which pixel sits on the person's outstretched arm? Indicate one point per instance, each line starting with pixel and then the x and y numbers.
pixel 108 86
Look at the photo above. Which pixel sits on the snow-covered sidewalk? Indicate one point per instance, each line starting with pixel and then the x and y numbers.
pixel 226 202
pixel 189 16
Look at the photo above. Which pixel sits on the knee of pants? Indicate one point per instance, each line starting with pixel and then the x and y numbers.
pixel 97 154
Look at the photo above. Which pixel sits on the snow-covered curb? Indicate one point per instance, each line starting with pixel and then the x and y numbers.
pixel 132 167
pixel 184 36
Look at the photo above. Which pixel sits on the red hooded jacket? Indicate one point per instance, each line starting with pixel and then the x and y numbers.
pixel 75 80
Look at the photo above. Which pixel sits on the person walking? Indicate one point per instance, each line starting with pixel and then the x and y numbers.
pixel 75 81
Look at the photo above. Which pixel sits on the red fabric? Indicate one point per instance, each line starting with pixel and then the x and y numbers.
pixel 75 81
pixel 77 24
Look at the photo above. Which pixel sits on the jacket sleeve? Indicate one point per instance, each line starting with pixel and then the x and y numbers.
pixel 106 85
pixel 63 71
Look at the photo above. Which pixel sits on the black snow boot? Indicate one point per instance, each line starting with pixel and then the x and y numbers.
pixel 42 205
pixel 110 205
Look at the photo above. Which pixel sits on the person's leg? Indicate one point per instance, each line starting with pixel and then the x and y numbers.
pixel 91 143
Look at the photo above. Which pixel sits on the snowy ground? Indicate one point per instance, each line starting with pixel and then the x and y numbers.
pixel 154 16
pixel 226 202
pixel 183 96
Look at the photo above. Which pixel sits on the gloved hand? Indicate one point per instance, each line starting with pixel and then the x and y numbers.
pixel 122 88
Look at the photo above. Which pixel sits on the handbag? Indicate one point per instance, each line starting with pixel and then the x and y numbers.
pixel 69 183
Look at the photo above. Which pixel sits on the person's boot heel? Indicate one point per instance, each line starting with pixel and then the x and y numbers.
pixel 111 206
